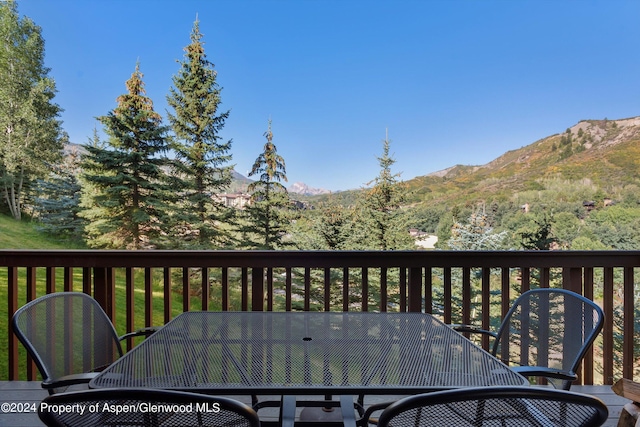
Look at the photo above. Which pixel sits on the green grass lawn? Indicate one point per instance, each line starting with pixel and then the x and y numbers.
pixel 25 235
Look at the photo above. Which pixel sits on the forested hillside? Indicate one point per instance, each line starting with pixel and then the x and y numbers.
pixel 576 190
pixel 605 152
pixel 579 190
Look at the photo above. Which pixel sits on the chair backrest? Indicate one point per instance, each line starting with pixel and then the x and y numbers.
pixel 550 328
pixel 144 407
pixel 66 333
pixel 499 406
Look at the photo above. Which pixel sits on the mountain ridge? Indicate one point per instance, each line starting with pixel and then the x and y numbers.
pixel 305 190
pixel 604 151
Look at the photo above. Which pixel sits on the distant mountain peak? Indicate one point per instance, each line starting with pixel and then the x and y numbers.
pixel 304 189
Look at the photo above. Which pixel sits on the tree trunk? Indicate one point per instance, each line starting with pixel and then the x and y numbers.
pixel 12 197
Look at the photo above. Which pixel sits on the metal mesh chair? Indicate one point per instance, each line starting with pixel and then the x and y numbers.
pixel 69 337
pixel 546 333
pixel 144 407
pixel 497 406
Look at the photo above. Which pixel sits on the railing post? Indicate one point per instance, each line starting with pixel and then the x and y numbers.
pixel 628 324
pixel 403 289
pixel 129 304
pixel 86 280
pixel 104 286
pixel 428 290
pixel 447 294
pixel 384 301
pixel 148 301
pixel 204 286
pixel 466 296
pixel 607 330
pixel 50 280
pixel 31 295
pixel 257 289
pixel 12 279
pixel 186 289
pixel 486 305
pixel 572 279
pixel 167 294
pixel 415 289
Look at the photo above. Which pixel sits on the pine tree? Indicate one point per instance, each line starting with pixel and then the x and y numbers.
pixel 541 237
pixel 57 204
pixel 382 220
pixel 127 207
pixel 334 226
pixel 32 137
pixel 201 168
pixel 268 214
pixel 476 234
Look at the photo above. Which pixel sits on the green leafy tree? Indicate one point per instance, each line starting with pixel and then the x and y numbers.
pixel 126 211
pixel 268 216
pixel 617 227
pixel 32 137
pixel 587 243
pixel 566 228
pixel 201 170
pixel 382 221
pixel 445 225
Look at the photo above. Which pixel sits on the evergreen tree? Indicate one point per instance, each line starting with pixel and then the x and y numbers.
pixel 57 204
pixel 382 220
pixel 127 208
pixel 95 214
pixel 328 227
pixel 31 137
pixel 476 234
pixel 334 226
pixel 201 168
pixel 268 214
pixel 541 237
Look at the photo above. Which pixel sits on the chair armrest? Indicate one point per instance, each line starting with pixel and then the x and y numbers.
pixel 140 332
pixel 367 418
pixel 68 380
pixel 472 330
pixel 541 371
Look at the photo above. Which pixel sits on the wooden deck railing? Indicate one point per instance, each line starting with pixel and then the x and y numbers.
pixel 141 288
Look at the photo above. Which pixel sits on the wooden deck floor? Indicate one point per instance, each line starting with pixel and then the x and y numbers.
pixel 29 392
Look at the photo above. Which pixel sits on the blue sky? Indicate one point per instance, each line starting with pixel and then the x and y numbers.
pixel 453 81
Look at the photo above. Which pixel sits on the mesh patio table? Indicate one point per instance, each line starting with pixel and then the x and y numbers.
pixel 312 353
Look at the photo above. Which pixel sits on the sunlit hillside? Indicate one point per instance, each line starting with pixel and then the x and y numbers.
pixel 605 153
pixel 25 235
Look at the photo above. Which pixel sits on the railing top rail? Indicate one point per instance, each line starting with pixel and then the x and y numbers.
pixel 317 259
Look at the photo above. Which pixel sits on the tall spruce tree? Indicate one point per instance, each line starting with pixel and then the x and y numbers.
pixel 382 224
pixel 126 209
pixel 202 169
pixel 268 215
pixel 31 136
